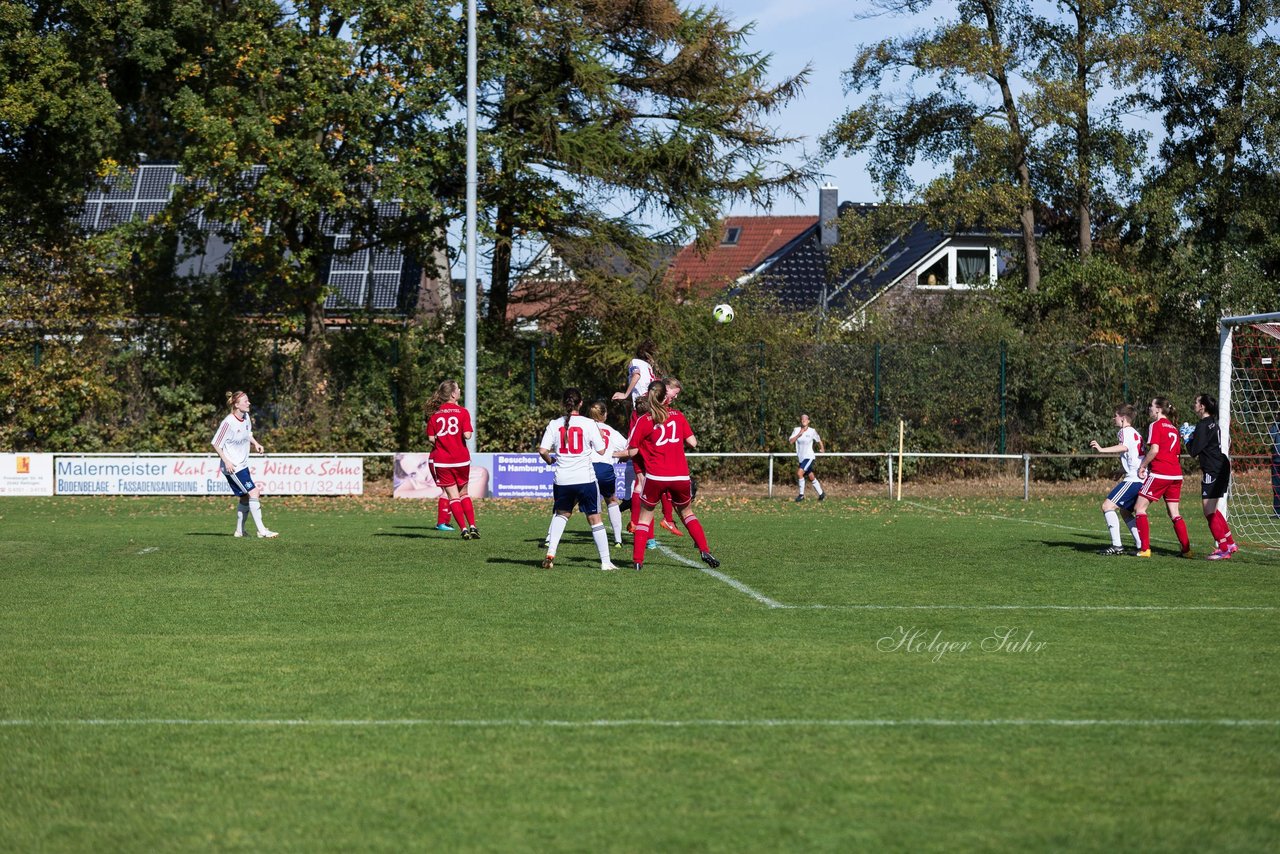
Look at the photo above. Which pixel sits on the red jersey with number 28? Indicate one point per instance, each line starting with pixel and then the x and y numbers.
pixel 447 426
pixel 662 445
pixel 1164 464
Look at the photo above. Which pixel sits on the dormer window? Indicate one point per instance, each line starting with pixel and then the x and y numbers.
pixel 731 235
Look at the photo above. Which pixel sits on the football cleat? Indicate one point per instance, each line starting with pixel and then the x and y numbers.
pixel 466 533
pixel 652 544
pixel 238 534
pixel 1110 551
pixel 268 534
pixel 1220 554
pixel 549 561
pixel 799 498
pixel 709 559
pixel 443 527
pixel 822 496
pixel 671 526
pixel 1143 553
pixel 1230 548
pixel 475 532
pixel 637 566
pixel 608 566
pixel 1188 553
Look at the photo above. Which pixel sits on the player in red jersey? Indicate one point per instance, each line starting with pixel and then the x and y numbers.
pixel 448 429
pixel 659 437
pixel 1161 475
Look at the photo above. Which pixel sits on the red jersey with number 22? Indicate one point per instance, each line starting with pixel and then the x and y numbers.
pixel 447 426
pixel 662 445
pixel 1164 464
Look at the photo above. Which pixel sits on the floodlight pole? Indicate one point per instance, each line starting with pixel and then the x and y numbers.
pixel 469 357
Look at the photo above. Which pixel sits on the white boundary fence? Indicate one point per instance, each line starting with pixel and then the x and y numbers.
pixel 343 473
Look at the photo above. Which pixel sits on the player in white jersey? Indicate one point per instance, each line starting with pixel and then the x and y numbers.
pixel 804 438
pixel 640 375
pixel 1121 498
pixel 603 463
pixel 568 444
pixel 232 441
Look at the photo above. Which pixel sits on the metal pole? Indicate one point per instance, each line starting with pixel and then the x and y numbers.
pixel 875 370
pixel 771 475
pixel 1026 477
pixel 889 456
pixel 469 356
pixel 1003 393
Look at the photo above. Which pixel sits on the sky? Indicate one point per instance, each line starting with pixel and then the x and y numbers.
pixel 825 35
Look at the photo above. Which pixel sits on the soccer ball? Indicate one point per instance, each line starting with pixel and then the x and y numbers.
pixel 723 313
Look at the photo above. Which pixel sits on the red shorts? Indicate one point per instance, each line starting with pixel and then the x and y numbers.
pixel 1155 488
pixel 453 476
pixel 679 490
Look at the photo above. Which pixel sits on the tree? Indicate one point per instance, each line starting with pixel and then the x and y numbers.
pixel 1089 50
pixel 970 118
pixel 294 117
pixel 596 113
pixel 1214 78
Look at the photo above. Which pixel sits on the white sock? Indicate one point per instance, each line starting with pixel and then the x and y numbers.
pixel 817 487
pixel 255 508
pixel 242 513
pixel 802 486
pixel 615 519
pixel 1132 522
pixel 558 524
pixel 1113 526
pixel 602 543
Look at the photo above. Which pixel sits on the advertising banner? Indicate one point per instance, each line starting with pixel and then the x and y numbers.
pixel 527 476
pixel 412 478
pixel 199 475
pixel 26 474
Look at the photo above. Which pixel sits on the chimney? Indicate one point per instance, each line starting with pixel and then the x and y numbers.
pixel 828 210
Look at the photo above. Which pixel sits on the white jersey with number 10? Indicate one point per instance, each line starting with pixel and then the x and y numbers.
pixel 573 446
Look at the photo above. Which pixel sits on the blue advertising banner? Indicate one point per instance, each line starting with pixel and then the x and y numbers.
pixel 527 476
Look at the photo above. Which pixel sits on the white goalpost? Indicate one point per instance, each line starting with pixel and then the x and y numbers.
pixel 1249 416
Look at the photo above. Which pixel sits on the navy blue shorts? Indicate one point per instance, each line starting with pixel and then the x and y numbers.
pixel 580 495
pixel 241 482
pixel 1125 494
pixel 806 466
pixel 606 479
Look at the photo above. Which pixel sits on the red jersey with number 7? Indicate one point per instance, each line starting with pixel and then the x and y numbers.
pixel 662 445
pixel 447 426
pixel 1165 464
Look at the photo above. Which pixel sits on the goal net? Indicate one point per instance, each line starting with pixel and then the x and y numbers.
pixel 1249 403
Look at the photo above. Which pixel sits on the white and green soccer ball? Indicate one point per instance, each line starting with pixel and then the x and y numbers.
pixel 723 313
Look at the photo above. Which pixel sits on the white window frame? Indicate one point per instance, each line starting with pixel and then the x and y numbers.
pixel 949 252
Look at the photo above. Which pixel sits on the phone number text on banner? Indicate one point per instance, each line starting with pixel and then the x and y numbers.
pixel 196 475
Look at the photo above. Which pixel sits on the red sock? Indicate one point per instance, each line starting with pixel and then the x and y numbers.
pixel 1222 533
pixel 1144 530
pixel 455 507
pixel 695 530
pixel 442 510
pixel 643 530
pixel 668 510
pixel 469 511
pixel 1180 528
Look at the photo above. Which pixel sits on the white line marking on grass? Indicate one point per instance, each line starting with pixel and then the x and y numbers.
pixel 720 576
pixel 762 723
pixel 1031 607
pixel 149 550
pixel 775 604
pixel 1002 518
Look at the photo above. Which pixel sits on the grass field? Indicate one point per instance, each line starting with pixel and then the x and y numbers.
pixel 859 675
